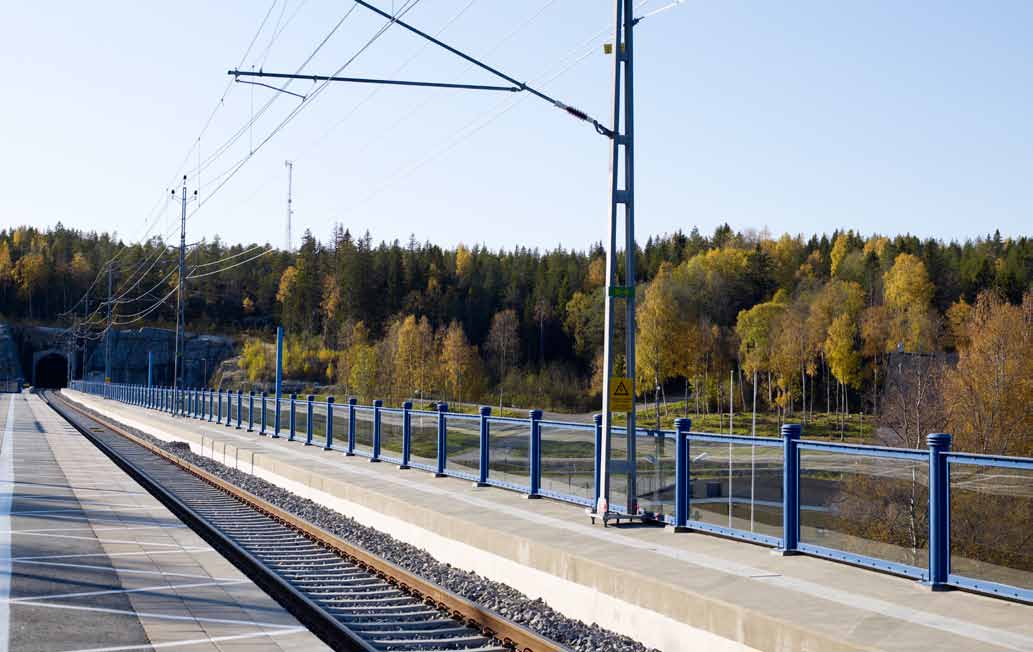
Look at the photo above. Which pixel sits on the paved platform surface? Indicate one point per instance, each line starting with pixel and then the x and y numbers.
pixel 90 561
pixel 676 592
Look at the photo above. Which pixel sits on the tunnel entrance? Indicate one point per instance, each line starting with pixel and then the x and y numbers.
pixel 51 371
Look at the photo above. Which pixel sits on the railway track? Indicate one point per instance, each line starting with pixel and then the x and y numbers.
pixel 347 596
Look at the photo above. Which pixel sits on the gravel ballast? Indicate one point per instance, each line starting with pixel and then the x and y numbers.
pixel 496 596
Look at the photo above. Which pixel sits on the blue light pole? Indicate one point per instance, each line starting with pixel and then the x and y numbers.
pixel 279 379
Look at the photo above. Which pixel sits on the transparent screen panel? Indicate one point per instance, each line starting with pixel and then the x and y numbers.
pixel 508 452
pixel 391 434
pixel 568 460
pixel 865 505
pixel 319 423
pixel 340 441
pixel 245 412
pixel 300 419
pixel 284 410
pixel 618 469
pixel 363 429
pixel 656 473
pixel 736 486
pixel 463 441
pixel 424 438
pixel 991 514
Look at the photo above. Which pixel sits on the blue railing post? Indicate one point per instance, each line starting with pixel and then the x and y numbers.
pixel 240 408
pixel 939 511
pixel 250 411
pixel 442 441
pixel 790 489
pixel 262 431
pixel 377 405
pixel 329 444
pixel 597 472
pixel 681 474
pixel 308 419
pixel 406 434
pixel 482 475
pixel 211 405
pixel 535 454
pixel 204 403
pixel 351 426
pixel 218 418
pixel 293 422
pixel 228 421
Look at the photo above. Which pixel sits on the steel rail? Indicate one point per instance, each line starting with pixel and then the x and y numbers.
pixel 490 624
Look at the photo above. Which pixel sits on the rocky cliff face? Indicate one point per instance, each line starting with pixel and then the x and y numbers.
pixel 129 349
pixel 10 367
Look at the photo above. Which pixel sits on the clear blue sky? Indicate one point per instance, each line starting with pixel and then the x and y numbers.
pixel 802 117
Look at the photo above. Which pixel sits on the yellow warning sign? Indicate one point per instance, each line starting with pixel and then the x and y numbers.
pixel 622 391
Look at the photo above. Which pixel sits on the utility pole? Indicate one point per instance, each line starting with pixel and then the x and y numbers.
pixel 85 317
pixel 290 211
pixel 177 363
pixel 622 152
pixel 622 142
pixel 107 335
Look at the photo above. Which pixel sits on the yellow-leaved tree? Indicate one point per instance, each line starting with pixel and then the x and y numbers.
pixel 414 359
pixel 660 330
pixel 461 365
pixel 909 294
pixel 256 361
pixel 285 295
pixel 756 329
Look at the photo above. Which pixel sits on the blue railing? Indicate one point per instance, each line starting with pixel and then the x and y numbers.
pixel 948 519
pixel 11 385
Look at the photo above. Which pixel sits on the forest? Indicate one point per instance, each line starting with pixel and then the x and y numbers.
pixel 835 325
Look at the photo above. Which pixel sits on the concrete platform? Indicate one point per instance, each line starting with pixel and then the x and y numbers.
pixel 675 592
pixel 91 561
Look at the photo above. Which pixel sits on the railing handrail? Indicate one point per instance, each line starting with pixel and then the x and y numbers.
pixel 203 403
pixel 982 459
